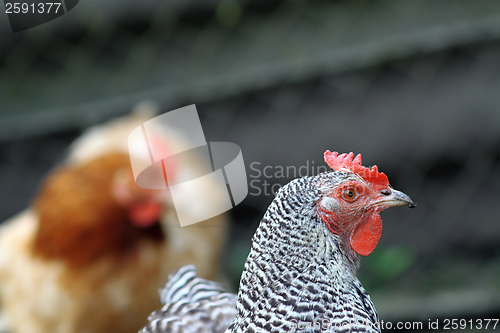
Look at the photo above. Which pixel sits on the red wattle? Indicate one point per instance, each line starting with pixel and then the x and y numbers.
pixel 365 237
pixel 145 214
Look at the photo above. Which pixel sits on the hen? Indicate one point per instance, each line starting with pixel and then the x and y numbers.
pixel 91 252
pixel 300 273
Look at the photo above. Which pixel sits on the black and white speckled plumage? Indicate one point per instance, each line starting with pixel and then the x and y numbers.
pixel 298 276
pixel 192 305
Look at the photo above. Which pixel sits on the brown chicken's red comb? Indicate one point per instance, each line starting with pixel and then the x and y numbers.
pixel 347 162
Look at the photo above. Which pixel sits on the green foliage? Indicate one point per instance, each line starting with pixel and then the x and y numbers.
pixel 237 258
pixel 228 13
pixel 385 264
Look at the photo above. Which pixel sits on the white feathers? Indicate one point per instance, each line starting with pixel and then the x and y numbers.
pixel 192 305
pixel 185 285
pixel 330 203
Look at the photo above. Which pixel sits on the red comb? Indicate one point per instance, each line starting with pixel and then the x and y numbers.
pixel 347 162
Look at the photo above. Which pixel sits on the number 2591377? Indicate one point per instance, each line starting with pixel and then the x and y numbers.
pixel 41 7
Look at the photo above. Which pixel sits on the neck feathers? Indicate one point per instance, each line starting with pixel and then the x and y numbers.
pixel 296 268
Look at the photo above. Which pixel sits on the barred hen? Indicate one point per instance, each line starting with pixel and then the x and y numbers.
pixel 300 273
pixel 90 253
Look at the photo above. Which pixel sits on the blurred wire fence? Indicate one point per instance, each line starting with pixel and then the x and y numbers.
pixel 100 59
pixel 413 86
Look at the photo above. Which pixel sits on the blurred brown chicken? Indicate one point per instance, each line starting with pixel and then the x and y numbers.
pixel 91 252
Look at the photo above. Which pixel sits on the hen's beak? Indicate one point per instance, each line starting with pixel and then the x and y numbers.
pixel 395 198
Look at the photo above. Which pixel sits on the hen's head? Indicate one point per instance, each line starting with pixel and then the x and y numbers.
pixel 94 209
pixel 350 205
pixel 143 206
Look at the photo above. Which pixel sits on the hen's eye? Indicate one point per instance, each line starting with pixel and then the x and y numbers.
pixel 349 194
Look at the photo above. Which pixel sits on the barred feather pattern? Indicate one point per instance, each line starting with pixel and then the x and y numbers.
pixel 192 305
pixel 297 277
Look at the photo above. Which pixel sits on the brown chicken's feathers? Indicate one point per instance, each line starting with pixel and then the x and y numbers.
pixel 92 250
pixel 99 225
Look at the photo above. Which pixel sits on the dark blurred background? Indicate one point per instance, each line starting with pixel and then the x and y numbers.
pixel 412 85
